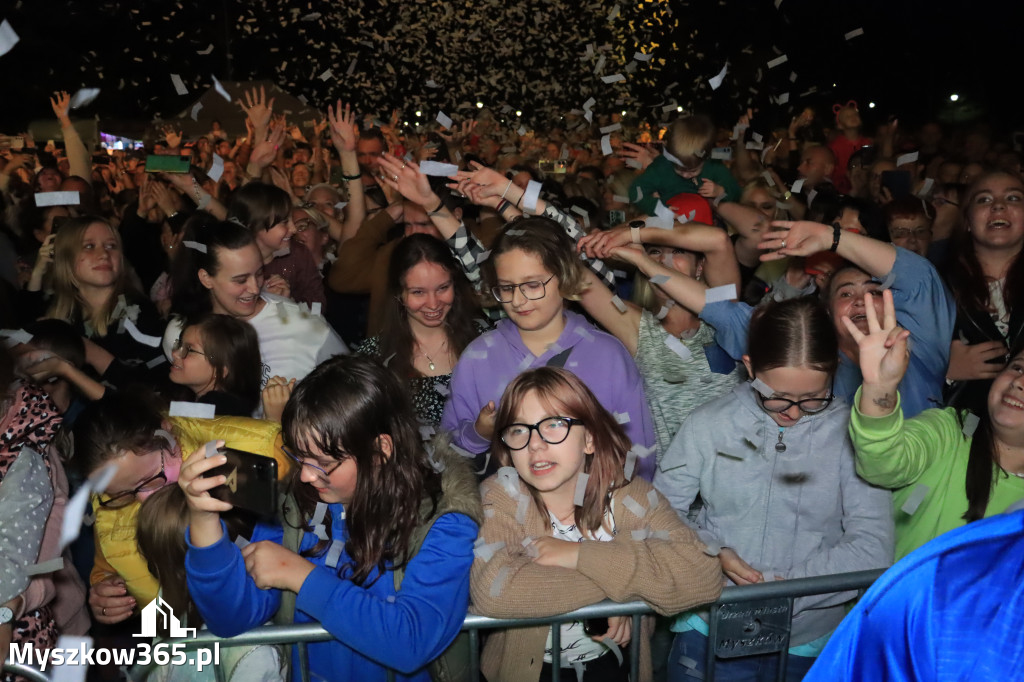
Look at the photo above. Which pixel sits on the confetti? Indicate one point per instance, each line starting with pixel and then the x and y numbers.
pixel 854 33
pixel 614 78
pixel 8 38
pixel 84 97
pixel 436 169
pixel 444 120
pixel 915 499
pixel 906 158
pixel 778 61
pixel 57 199
pixel 797 186
pixel 195 246
pixel 762 388
pixel 144 339
pixel 179 87
pixel 676 346
pixel 716 81
pixel 220 88
pixel 181 408
pixel 216 168
pixel 726 292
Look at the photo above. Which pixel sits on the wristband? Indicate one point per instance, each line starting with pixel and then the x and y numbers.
pixel 351 177
pixel 506 189
pixel 836 233
pixel 440 207
pixel 502 205
pixel 530 196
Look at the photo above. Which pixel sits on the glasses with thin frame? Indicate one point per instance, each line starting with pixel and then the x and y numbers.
pixel 186 348
pixel 301 461
pixel 807 405
pixel 532 290
pixel 552 430
pixel 151 484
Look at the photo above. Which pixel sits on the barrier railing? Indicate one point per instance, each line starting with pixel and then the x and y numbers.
pixel 778 595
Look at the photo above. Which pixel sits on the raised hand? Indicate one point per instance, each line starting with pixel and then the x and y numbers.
pixel 641 153
pixel 257 108
pixel 599 243
pixel 264 153
pixel 710 189
pixel 405 177
pixel 490 182
pixel 172 136
pixel 884 355
pixel 61 103
pixel 343 127
pixel 795 238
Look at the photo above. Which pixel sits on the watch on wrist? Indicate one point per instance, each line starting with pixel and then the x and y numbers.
pixel 837 232
pixel 634 230
pixel 6 615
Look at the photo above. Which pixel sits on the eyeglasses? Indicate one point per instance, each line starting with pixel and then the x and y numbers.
pixel 151 484
pixel 904 233
pixel 552 431
pixel 807 405
pixel 303 463
pixel 303 225
pixel 186 348
pixel 533 290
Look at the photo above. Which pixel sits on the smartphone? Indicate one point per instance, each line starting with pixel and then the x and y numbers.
pixel 595 627
pixel 897 182
pixel 722 153
pixel 158 163
pixel 616 218
pixel 251 484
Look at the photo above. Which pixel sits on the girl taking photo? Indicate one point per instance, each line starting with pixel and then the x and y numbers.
pixel 381 542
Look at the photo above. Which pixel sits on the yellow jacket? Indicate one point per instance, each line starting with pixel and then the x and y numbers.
pixel 117 552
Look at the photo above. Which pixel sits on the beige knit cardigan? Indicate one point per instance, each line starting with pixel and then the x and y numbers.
pixel 671 575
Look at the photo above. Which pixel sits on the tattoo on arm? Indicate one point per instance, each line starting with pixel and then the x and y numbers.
pixel 886 402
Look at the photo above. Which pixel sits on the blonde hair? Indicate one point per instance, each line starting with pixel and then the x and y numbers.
pixel 68 302
pixel 690 139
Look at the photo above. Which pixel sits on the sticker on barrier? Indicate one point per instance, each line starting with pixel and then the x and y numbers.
pixel 755 627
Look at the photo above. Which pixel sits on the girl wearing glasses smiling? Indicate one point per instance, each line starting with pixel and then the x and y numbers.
pixel 566 527
pixel 532 271
pixel 775 471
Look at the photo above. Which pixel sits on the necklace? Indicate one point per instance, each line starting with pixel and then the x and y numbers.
pixel 780 446
pixel 430 361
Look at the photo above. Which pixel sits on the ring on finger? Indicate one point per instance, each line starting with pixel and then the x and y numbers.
pixel 395 178
pixel 783 244
pixel 104 610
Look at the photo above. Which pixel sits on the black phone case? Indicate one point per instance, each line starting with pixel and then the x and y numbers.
pixel 251 484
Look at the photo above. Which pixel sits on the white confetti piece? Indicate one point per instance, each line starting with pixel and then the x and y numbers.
pixel 319 513
pixel 334 554
pixel 8 38
pixel 757 146
pixel 180 408
pixel 619 305
pixel 778 61
pixel 156 362
pixel 437 169
pixel 614 13
pixel 195 246
pixel 606 129
pixel 195 110
pixel 326 75
pixel 216 168
pixel 45 567
pixel 444 120
pixel 606 145
pixel 13 337
pixel 75 511
pixel 530 196
pixel 630 466
pixel 486 552
pixel 220 88
pixel 668 155
pixel 166 435
pixel 441 389
pixel 179 86
pixel 797 186
pixel 476 354
pixel 144 339
pixel 854 33
pixel 678 347
pixel 663 313
pixel 241 542
pixel 320 531
pixel 810 196
pixel 782 99
pixel 716 81
pixel 762 388
pixel 622 417
pixel 581 489
pixel 971 422
pixel 641 57
pixel 926 187
pixel 208 50
pixel 57 199
pixel 614 78
pixel 726 292
pixel 915 499
pixel 499 581
pixel 522 507
pixel 83 97
pixel 906 158
pixel 634 507
pixel 210 449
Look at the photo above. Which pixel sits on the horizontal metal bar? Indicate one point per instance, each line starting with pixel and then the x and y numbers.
pixel 799 587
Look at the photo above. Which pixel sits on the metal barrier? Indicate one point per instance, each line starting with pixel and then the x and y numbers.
pixel 785 590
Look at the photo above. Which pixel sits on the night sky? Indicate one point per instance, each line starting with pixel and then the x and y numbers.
pixel 528 55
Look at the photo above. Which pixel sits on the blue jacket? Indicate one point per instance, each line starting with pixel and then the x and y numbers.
pixel 373 625
pixel 923 307
pixel 950 610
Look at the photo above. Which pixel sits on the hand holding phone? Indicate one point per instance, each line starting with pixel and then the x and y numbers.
pixel 251 481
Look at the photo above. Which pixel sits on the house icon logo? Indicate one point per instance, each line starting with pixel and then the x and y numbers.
pixel 158 608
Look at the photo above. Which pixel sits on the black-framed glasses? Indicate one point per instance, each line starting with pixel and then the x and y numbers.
pixel 807 405
pixel 186 348
pixel 151 484
pixel 552 430
pixel 532 290
pixel 303 463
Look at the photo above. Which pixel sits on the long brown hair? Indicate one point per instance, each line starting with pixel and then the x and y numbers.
pixel 343 408
pixel 162 521
pixel 396 337
pixel 964 273
pixel 68 303
pixel 565 393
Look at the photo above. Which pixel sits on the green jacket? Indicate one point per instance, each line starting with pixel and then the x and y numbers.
pixel 922 459
pixel 661 179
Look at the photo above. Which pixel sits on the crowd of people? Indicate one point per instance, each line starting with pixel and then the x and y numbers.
pixel 514 372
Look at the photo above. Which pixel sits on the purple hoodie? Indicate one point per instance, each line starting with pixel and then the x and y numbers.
pixel 494 359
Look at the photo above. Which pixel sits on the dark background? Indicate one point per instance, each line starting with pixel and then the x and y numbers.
pixel 529 54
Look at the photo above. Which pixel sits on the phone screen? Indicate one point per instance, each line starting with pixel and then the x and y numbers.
pixel 251 481
pixel 159 163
